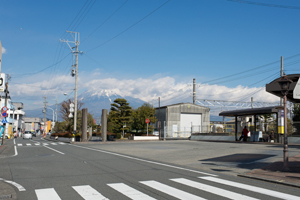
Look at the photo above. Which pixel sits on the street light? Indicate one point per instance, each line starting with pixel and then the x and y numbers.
pixel 284 83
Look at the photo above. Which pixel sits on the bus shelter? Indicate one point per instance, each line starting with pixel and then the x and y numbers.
pixel 278 110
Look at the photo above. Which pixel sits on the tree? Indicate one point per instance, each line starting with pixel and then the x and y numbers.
pixel 64 114
pixel 296 118
pixel 120 115
pixel 139 116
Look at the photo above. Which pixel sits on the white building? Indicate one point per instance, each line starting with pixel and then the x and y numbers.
pixel 15 115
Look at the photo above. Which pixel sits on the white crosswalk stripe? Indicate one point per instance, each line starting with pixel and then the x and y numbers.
pixel 20 145
pixel 37 144
pixel 211 189
pixel 61 143
pixel 88 193
pixel 171 190
pixel 45 144
pixel 53 143
pixel 28 144
pixel 130 192
pixel 47 194
pixel 272 193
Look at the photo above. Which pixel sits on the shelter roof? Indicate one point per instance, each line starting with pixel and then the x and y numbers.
pixel 252 111
pixel 274 87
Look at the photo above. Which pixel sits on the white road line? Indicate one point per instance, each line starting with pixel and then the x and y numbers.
pixel 88 193
pixel 148 161
pixel 129 191
pixel 20 187
pixel 53 143
pixel 28 144
pixel 37 144
pixel 252 188
pixel 45 144
pixel 54 150
pixel 47 194
pixel 171 191
pixel 14 141
pixel 61 143
pixel 211 189
pixel 16 151
pixel 19 145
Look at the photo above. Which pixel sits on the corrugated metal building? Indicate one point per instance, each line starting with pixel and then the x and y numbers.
pixel 180 120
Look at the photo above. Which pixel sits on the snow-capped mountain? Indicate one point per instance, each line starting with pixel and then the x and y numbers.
pixel 93 101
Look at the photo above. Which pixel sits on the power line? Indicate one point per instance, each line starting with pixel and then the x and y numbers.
pixel 130 26
pixel 27 74
pixel 84 14
pixel 265 4
pixel 105 20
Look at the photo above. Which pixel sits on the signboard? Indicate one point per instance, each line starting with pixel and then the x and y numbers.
pixel 296 91
pixel 4 114
pixel 4 109
pixel 4 121
pixel 2 82
pixel 147 121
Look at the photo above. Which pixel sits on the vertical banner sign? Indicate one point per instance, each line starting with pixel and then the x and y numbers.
pixel 280 121
pixel 2 82
pixel 296 92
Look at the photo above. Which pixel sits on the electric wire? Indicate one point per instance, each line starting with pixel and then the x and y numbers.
pixel 130 26
pixel 82 18
pixel 105 20
pixel 265 4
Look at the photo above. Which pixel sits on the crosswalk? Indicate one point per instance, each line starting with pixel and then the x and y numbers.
pixel 201 186
pixel 40 144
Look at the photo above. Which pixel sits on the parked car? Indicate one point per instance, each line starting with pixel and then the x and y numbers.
pixel 27 135
pixel 6 136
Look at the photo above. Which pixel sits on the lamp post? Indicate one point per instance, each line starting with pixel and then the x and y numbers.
pixel 284 83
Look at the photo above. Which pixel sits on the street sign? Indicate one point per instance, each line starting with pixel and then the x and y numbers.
pixel 72 105
pixel 4 121
pixel 4 109
pixel 2 81
pixel 70 115
pixel 147 121
pixel 4 114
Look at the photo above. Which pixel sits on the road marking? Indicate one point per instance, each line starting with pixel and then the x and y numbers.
pixel 54 143
pixel 211 189
pixel 45 144
pixel 61 143
pixel 129 191
pixel 171 191
pixel 28 144
pixel 54 150
pixel 88 193
pixel 14 141
pixel 16 151
pixel 19 145
pixel 252 188
pixel 148 161
pixel 47 194
pixel 20 187
pixel 37 144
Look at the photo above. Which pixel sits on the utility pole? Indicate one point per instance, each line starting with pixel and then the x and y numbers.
pixel 0 55
pixel 281 75
pixel 45 112
pixel 159 116
pixel 75 35
pixel 194 91
pixel 6 92
pixel 56 111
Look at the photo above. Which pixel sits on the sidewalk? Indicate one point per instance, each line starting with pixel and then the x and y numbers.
pixel 273 173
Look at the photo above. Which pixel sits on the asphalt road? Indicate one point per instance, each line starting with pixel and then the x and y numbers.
pixel 140 170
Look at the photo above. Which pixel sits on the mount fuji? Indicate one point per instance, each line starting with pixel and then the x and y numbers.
pixel 93 101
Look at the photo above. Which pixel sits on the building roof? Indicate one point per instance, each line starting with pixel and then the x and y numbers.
pixel 181 104
pixel 252 111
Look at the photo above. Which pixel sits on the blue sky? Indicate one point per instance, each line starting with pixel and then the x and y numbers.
pixel 149 48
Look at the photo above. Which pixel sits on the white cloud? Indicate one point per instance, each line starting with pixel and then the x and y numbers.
pixel 147 90
pixel 3 50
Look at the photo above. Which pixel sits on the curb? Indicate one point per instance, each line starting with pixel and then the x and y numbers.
pixel 269 180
